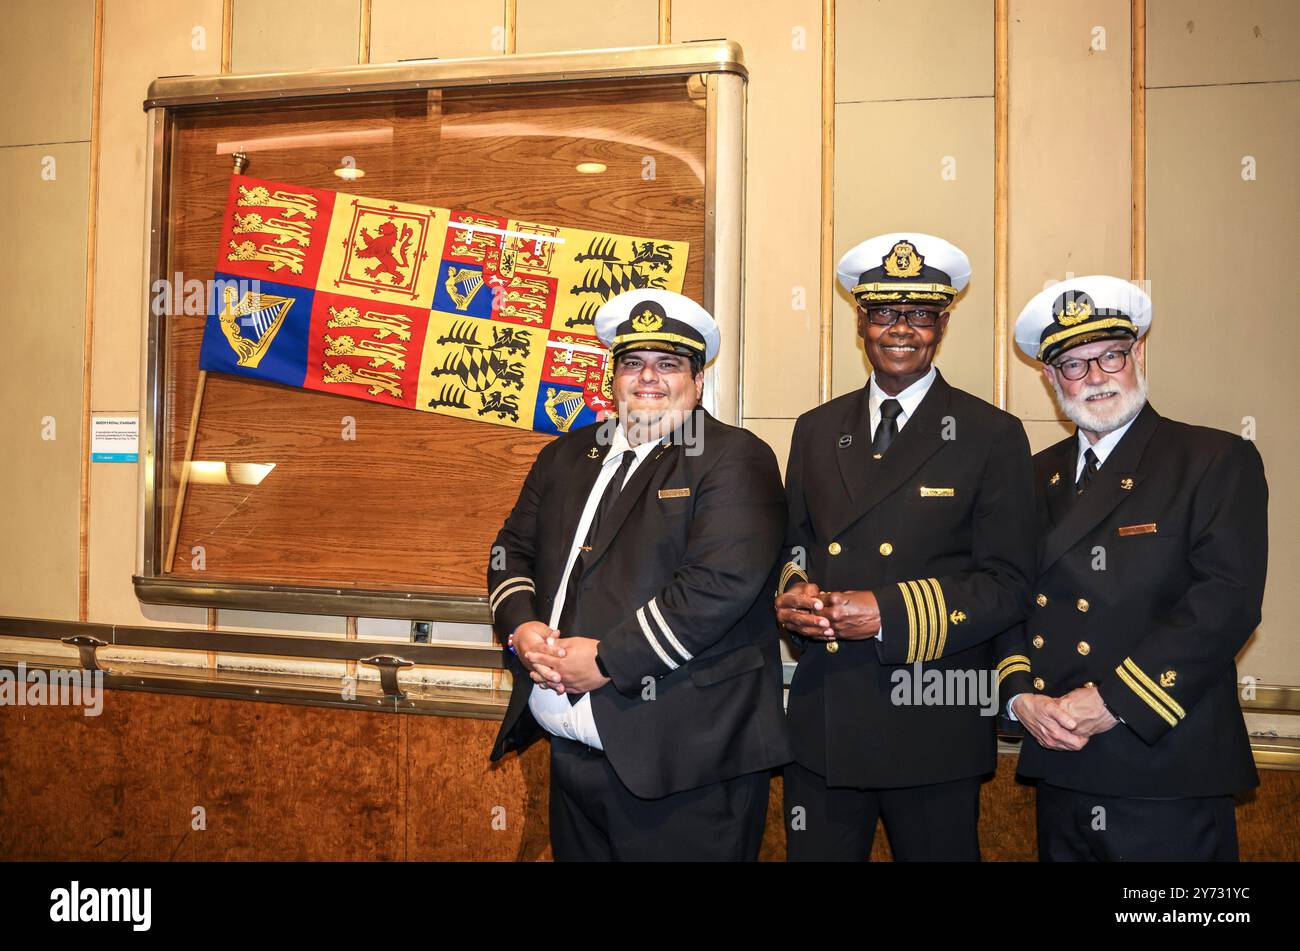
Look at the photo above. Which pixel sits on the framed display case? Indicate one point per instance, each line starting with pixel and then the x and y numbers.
pixel 264 496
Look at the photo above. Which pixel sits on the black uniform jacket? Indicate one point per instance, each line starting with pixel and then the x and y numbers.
pixel 678 589
pixel 940 529
pixel 1148 586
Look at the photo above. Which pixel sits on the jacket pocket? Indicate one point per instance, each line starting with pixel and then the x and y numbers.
pixel 711 670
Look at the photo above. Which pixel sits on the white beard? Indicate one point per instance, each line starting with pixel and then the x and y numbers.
pixel 1108 415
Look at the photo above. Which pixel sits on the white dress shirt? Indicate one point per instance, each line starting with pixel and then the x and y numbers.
pixel 1102 449
pixel 553 711
pixel 909 399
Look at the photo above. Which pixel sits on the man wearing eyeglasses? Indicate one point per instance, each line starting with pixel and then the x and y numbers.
pixel 910 547
pixel 632 588
pixel 1151 562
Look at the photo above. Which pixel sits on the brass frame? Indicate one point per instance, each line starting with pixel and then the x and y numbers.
pixel 721 64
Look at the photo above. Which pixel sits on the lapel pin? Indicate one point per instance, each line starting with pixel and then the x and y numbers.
pixel 593 453
pixel 1056 477
pixel 846 440
pixel 1126 484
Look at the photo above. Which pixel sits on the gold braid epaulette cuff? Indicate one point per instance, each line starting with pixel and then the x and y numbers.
pixel 1149 692
pixel 1011 665
pixel 788 572
pixel 927 619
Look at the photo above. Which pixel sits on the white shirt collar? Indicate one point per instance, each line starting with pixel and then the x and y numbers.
pixel 909 399
pixel 1102 447
pixel 618 445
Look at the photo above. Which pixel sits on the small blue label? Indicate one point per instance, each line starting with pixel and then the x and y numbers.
pixel 114 457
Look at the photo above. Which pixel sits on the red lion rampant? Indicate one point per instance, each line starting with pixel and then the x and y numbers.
pixel 388 248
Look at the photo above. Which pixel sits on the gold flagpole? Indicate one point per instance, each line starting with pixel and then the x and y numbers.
pixel 185 470
pixel 240 163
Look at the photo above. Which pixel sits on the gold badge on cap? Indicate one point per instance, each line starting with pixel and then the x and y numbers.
pixel 1075 312
pixel 903 261
pixel 647 321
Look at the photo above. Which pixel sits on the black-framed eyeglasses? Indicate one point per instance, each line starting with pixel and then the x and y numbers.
pixel 1076 368
pixel 888 316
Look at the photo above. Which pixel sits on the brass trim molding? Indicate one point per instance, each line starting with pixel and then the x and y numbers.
pixel 88 332
pixel 304 599
pixel 1001 203
pixel 826 297
pixel 447 701
pixel 303 646
pixel 1138 160
pixel 712 56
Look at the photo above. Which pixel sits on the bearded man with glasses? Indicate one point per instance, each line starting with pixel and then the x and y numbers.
pixel 1151 562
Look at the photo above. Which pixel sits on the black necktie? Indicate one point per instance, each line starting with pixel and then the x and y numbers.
pixel 887 430
pixel 1089 470
pixel 569 613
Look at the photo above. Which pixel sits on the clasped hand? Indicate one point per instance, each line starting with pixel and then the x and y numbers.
pixel 821 615
pixel 1064 723
pixel 558 663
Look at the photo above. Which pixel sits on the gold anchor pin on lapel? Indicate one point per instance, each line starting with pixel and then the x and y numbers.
pixel 1056 477
pixel 1126 484
pixel 593 453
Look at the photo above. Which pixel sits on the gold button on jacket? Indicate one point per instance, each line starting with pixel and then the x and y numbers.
pixel 834 548
pixel 1084 648
pixel 1082 604
pixel 1038 683
pixel 886 549
pixel 1038 640
pixel 1042 600
pixel 832 646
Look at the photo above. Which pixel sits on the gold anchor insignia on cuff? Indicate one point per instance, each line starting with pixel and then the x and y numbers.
pixel 1168 677
pixel 957 617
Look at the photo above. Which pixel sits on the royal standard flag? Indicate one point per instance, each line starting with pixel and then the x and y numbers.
pixel 483 317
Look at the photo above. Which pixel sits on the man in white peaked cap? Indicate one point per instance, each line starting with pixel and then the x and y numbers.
pixel 909 548
pixel 633 591
pixel 1150 577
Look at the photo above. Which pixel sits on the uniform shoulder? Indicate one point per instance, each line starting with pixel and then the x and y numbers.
pixel 1207 441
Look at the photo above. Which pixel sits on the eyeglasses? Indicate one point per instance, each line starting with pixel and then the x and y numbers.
pixel 888 316
pixel 1112 361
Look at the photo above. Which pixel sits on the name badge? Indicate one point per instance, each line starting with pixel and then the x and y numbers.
pixel 1148 528
pixel 929 493
pixel 674 493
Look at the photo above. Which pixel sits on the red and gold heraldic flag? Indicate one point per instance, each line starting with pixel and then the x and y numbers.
pixel 478 316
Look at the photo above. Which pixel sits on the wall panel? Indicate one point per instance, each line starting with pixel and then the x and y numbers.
pixel 782 46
